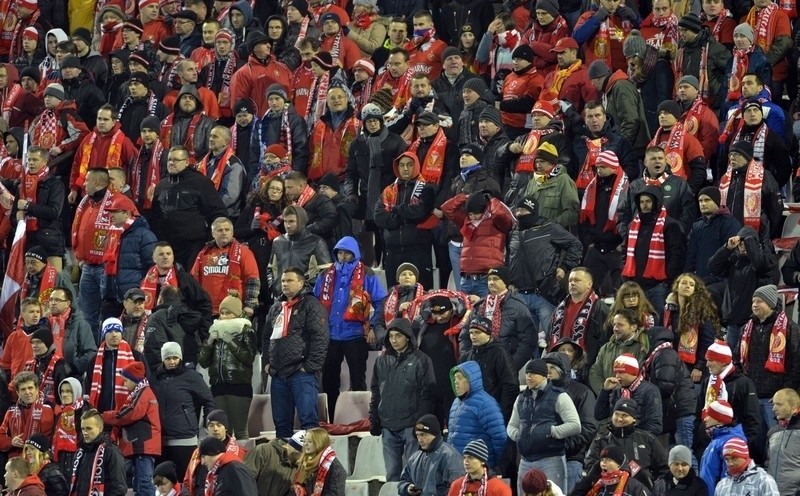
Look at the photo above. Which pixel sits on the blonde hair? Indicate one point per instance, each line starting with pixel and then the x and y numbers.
pixel 34 457
pixel 319 439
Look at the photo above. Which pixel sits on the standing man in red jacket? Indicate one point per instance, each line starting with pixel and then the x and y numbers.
pixel 260 72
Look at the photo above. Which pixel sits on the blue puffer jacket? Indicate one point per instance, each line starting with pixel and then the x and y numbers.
pixel 135 258
pixel 712 466
pixel 476 415
pixel 342 330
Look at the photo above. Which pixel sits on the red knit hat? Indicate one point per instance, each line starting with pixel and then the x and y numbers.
pixel 607 158
pixel 133 371
pixel 28 4
pixel 30 33
pixel 278 150
pixel 736 447
pixel 224 34
pixel 366 65
pixel 719 352
pixel 719 410
pixel 626 364
pixel 544 107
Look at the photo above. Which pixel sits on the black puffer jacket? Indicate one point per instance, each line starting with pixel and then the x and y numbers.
pixel 173 322
pixel 181 393
pixel 496 158
pixel 499 380
pixel 306 340
pixel 285 52
pixel 267 131
pixel 691 485
pixel 229 360
pixel 668 372
pixel 87 96
pixel 55 484
pixel 50 197
pixel 113 468
pixel 402 383
pixel 638 445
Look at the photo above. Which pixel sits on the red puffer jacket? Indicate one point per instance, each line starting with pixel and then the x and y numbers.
pixel 139 422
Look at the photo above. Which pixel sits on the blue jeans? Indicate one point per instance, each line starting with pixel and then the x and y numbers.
pixel 142 468
pixel 472 286
pixel 766 412
pixel 732 335
pixel 658 296
pixel 541 310
pixel 396 445
pixel 298 390
pixel 455 263
pixel 554 467
pixel 684 434
pixel 574 470
pixel 90 298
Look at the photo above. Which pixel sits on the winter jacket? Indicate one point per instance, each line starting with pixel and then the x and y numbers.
pixel 658 86
pixel 668 372
pixel 135 112
pixel 713 467
pixel 229 358
pixel 676 195
pixel 603 365
pixel 587 33
pixel 184 206
pixel 55 483
pixel 139 421
pixel 744 273
pixel 708 234
pixel 182 393
pixel 469 180
pixel 303 250
pixel 484 244
pixel 542 39
pixel 135 258
pixel 521 89
pixel 306 340
pixel 467 124
pixel 775 157
pixel 476 415
pixel 771 203
pixel 335 481
pixel 450 94
pixel 577 89
pixel 431 471
pixel 626 108
pixel 648 401
pixel 791 268
pixel 690 485
pixel 173 322
pixel 499 378
pixel 79 347
pixel 252 80
pixel 181 125
pixel 639 445
pixel 271 467
pixel 583 399
pixel 113 468
pixel 235 478
pixel 402 384
pixel 87 96
pixel 30 486
pixel 614 142
pixel 784 456
pixel 536 253
pixel 342 329
pixel 754 480
pixel 10 428
pixel 50 198
pixel 517 333
pixel 321 217
pixel 267 131
pixel 557 198
pixel 366 178
pixel 540 424
pixel 746 411
pixel 758 352
pixel 496 158
pixel 717 57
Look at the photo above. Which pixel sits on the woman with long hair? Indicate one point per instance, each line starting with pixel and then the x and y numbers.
pixel 318 470
pixel 468 45
pixel 693 317
pixel 36 452
pixel 631 295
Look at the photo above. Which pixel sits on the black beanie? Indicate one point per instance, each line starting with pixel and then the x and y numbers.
pixel 713 193
pixel 429 424
pixel 43 334
pixel 167 470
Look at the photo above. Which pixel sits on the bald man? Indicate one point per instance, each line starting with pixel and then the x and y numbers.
pixel 784 448
pixel 225 170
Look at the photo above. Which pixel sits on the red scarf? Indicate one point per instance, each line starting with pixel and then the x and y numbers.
pixel 389 199
pixel 348 132
pixel 30 187
pixel 778 343
pixel 358 308
pixel 433 165
pixel 112 158
pixel 391 302
pixel 166 134
pixel 578 331
pixel 627 392
pixel 153 175
pixel 46 284
pixel 124 358
pixel 65 437
pixel 47 378
pixel 325 461
pixel 98 486
pixel 231 447
pixel 16 40
pixel 656 267
pixel 58 324
pixel 618 478
pixel 762 25
pixel 150 285
pixel 741 61
pixel 527 159
pixel 363 20
pixel 305 195
pixel 754 179
pixel 673 147
pixel 36 418
pixel 113 245
pixel 716 31
pixel 219 170
pixel 211 477
pixel 493 308
pixel 587 173
pixel 589 201
pixel 101 225
pixel 45 130
pixel 224 95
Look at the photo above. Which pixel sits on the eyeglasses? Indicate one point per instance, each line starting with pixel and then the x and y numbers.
pixel 56 300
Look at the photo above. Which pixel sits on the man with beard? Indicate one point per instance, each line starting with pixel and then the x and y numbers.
pixel 569 81
pixel 141 103
pixel 187 73
pixel 216 75
pixel 422 99
pixel 188 126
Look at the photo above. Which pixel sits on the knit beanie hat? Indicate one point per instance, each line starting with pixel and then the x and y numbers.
pixel 407 266
pixel 134 371
pixel 691 22
pixel 232 304
pixel 55 90
pixel 82 34
pixel 713 193
pixel 297 440
pixel 626 364
pixel 690 80
pixel 744 29
pixel 671 107
pixel 330 180
pixel 371 111
pixel 613 453
pixel 429 424
pixel 719 352
pixel 530 204
pixel 31 33
pixel 277 89
pixel 607 158
pixel 245 105
pixel 151 122
pixel 719 410
pixel 300 5
pixel 769 294
pixel 736 447
pixel 31 72
pixel 547 152
pixel 482 324
pixel 743 148
pixel 171 349
pixel 627 405
pixel 534 481
pixel 37 252
pixel 549 6
pixel 477 449
pixel 111 324
pixel 544 107
pixel 524 52
pixel 472 149
pixel 324 60
pixel 383 99
pixel 278 150
pixel 634 45
pixel 219 416
pixel 43 334
pixel 211 446
pixel 167 470
pixel 40 441
pixel 365 65
pixel 450 51
pixel 491 114
pixel 478 85
pixel 503 273
pixel 598 69
pixel 538 367
pixel 680 453
pixel 476 203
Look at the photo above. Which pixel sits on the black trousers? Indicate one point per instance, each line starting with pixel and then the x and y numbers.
pixel 355 351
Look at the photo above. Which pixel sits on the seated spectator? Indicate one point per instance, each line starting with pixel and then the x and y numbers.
pixel 195 481
pixel 226 472
pixel 37 453
pixel 433 468
pixel 615 475
pixel 165 478
pixel 479 477
pixel 743 474
pixel 319 466
pixel 719 424
pixel 274 463
pixel 682 478
pixel 628 338
pixel 628 382
pixel 631 295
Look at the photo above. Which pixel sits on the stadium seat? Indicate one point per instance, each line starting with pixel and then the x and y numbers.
pixel 369 464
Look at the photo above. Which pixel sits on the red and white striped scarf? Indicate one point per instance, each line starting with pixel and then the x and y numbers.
pixel 656 267
pixel 124 358
pixel 590 198
pixel 754 179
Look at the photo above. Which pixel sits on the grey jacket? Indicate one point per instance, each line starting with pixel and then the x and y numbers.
pixel 431 471
pixel 79 344
pixel 784 456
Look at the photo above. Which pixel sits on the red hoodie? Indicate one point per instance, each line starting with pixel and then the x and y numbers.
pixel 31 486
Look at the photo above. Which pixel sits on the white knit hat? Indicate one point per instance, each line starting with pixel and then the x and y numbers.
pixel 719 352
pixel 719 410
